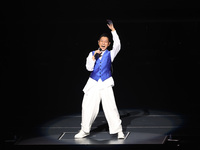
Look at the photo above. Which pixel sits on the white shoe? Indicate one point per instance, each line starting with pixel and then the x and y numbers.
pixel 120 135
pixel 81 135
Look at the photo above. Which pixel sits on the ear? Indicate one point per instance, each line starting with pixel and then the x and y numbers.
pixel 109 44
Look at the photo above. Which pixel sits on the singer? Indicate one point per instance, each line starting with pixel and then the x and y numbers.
pixel 99 86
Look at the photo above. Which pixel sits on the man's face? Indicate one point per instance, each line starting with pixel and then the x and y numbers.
pixel 103 43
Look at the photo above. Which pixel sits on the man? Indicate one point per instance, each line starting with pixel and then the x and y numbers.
pixel 99 87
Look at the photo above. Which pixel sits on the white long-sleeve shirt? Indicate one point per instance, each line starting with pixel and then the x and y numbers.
pixel 90 65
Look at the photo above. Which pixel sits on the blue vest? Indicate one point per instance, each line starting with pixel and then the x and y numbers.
pixel 102 68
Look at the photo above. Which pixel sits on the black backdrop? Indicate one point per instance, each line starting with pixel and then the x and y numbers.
pixel 44 46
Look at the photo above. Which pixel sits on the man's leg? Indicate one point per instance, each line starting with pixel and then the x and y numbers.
pixel 90 109
pixel 110 110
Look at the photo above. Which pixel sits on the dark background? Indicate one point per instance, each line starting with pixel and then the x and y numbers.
pixel 44 45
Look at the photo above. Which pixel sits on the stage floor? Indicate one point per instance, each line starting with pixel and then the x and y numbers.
pixel 140 127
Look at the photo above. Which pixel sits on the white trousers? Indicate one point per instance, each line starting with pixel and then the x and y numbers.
pixel 90 109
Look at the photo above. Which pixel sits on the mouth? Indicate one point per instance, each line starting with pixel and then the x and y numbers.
pixel 103 46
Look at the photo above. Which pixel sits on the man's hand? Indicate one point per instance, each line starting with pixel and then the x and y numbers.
pixel 111 26
pixel 97 51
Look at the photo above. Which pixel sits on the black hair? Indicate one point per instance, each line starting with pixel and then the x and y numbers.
pixel 104 35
